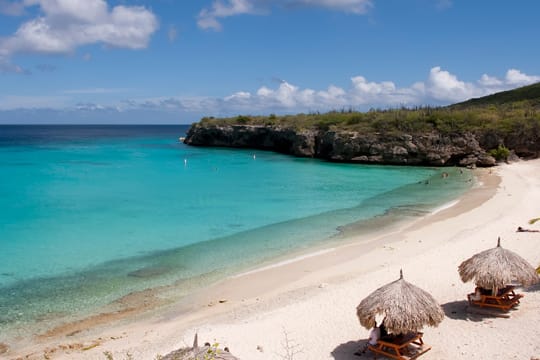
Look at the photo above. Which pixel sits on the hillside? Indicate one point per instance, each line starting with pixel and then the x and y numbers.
pixel 529 95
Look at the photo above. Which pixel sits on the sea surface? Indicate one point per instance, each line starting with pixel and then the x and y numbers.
pixel 89 214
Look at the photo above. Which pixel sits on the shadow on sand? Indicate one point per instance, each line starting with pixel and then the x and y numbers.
pixel 461 310
pixel 346 351
pixel 458 310
pixel 532 288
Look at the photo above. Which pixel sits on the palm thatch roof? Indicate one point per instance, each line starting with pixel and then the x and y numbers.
pixel 405 307
pixel 197 352
pixel 495 268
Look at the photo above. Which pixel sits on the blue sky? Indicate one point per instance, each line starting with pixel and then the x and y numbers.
pixel 174 61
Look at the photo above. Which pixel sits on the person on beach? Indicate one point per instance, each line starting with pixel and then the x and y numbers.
pixel 383 331
pixel 477 296
pixel 374 336
pixel 520 229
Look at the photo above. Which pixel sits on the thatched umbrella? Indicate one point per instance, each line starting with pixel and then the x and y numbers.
pixel 197 352
pixel 405 307
pixel 495 268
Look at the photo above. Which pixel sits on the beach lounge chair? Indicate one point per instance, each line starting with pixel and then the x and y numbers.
pixel 401 347
pixel 505 299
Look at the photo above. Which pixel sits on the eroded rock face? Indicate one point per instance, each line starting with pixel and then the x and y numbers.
pixel 431 149
pixel 426 149
pixel 283 140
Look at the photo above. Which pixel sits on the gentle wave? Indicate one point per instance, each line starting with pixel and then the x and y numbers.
pixel 284 262
pixel 444 207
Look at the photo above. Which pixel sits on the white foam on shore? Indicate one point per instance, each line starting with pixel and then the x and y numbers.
pixel 284 262
pixel 444 207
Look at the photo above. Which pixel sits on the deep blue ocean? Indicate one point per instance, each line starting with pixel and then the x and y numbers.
pixel 89 214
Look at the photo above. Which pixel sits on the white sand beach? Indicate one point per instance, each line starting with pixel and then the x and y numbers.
pixel 306 309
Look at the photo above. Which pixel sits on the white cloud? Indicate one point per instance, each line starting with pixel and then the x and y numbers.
pixel 517 78
pixel 382 94
pixel 209 17
pixel 68 10
pixel 239 96
pixel 445 86
pixel 489 81
pixel 288 96
pixel 90 107
pixel 285 95
pixel 364 92
pixel 333 94
pixel 65 25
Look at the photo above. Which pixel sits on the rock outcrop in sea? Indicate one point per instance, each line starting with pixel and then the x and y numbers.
pixel 426 149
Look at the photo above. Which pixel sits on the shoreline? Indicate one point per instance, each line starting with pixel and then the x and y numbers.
pixel 277 288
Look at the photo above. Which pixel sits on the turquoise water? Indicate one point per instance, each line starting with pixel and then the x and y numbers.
pixel 91 213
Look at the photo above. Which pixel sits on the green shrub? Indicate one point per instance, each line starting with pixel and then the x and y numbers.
pixel 241 119
pixel 500 153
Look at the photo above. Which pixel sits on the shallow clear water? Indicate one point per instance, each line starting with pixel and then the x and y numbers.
pixel 91 213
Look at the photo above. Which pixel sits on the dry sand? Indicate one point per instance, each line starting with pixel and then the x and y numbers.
pixel 306 309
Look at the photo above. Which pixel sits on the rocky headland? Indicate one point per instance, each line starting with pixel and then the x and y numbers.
pixel 430 149
pixel 427 149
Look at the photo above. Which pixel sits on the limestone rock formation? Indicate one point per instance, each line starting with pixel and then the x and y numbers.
pixel 427 149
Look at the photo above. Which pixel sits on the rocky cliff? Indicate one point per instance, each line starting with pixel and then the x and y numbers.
pixel 428 149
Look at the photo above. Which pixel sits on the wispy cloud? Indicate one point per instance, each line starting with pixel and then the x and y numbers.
pixel 351 6
pixel 33 102
pixel 46 67
pixel 11 8
pixel 7 67
pixel 63 26
pixel 209 18
pixel 94 91
pixel 444 4
pixel 172 33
